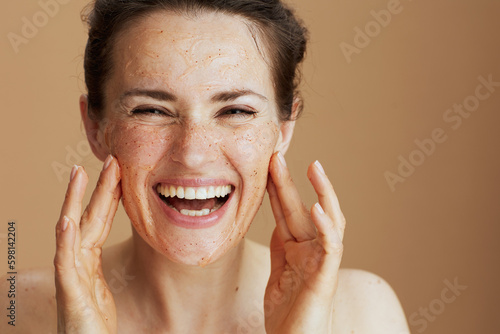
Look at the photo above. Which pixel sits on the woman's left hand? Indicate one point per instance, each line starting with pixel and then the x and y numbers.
pixel 306 250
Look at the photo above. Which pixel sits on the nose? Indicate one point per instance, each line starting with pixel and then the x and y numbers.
pixel 195 146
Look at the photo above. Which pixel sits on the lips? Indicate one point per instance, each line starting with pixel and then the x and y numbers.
pixel 194 206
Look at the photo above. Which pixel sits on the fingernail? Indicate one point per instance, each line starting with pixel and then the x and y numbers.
pixel 65 223
pixel 282 158
pixel 108 161
pixel 319 167
pixel 320 209
pixel 73 172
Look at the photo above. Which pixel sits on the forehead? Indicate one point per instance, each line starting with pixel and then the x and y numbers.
pixel 204 52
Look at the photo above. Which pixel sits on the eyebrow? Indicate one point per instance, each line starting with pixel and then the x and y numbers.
pixel 233 95
pixel 155 94
pixel 169 97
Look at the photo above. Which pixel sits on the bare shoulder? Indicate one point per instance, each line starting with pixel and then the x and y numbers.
pixel 366 303
pixel 34 301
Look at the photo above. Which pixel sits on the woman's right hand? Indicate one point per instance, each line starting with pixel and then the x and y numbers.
pixel 85 303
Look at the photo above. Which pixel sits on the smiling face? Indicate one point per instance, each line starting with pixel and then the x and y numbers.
pixel 191 118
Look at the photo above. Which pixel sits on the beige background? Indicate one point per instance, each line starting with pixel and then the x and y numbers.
pixel 442 223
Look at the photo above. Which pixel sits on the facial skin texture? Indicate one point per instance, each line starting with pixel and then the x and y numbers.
pixel 190 136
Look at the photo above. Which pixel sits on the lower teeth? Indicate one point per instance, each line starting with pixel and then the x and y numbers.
pixel 196 213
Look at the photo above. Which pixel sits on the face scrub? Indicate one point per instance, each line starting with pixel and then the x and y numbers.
pixel 192 114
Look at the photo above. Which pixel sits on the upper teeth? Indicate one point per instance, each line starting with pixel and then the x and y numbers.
pixel 193 193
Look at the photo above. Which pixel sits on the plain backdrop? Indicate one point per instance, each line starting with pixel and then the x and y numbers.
pixel 379 91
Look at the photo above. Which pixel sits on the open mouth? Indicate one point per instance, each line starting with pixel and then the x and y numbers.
pixel 194 201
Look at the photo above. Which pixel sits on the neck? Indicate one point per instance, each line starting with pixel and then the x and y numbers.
pixel 178 296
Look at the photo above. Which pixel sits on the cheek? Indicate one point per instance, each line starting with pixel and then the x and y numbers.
pixel 138 147
pixel 254 146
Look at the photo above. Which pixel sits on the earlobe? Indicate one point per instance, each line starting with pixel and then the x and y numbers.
pixel 285 136
pixel 93 131
pixel 287 127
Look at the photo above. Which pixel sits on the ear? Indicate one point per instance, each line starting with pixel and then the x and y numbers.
pixel 287 127
pixel 93 129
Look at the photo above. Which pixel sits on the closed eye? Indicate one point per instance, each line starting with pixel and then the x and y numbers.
pixel 238 112
pixel 148 110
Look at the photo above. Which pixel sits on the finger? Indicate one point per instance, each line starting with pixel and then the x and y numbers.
pixel 93 222
pixel 329 240
pixel 282 228
pixel 328 236
pixel 326 196
pixel 294 211
pixel 278 259
pixel 66 275
pixel 112 211
pixel 72 206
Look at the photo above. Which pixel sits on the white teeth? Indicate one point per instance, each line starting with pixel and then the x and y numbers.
pixel 211 192
pixel 173 191
pixel 201 193
pixel 193 193
pixel 189 193
pixel 180 192
pixel 197 213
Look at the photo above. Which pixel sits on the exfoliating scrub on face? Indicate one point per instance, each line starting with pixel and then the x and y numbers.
pixel 193 129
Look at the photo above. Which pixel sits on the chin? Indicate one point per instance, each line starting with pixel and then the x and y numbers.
pixel 196 230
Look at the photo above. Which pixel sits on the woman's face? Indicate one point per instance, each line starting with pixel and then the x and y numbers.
pixel 191 113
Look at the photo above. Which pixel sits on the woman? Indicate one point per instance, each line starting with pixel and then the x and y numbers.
pixel 191 106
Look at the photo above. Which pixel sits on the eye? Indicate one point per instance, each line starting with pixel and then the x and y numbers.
pixel 238 112
pixel 148 111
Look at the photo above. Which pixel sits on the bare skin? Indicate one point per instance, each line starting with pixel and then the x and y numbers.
pixel 363 302
pixel 169 278
pixel 355 299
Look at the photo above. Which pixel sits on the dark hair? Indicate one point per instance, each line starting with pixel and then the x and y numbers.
pixel 285 38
